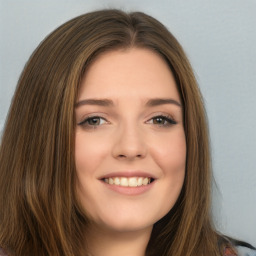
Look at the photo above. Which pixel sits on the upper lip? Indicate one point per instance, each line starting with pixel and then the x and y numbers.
pixel 128 174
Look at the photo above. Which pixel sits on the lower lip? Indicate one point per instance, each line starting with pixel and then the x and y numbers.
pixel 130 191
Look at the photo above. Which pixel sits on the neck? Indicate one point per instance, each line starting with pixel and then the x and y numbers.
pixel 102 241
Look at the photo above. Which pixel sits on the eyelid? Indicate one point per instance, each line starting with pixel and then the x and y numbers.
pixel 170 120
pixel 160 113
pixel 89 117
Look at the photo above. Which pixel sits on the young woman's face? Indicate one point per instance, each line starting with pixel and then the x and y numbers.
pixel 130 148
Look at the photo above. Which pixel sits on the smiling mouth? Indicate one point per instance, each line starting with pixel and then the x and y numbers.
pixel 128 181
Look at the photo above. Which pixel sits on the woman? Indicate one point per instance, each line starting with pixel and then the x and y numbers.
pixel 105 150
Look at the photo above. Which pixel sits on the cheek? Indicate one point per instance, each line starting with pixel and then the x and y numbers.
pixel 170 153
pixel 173 165
pixel 171 159
pixel 89 153
pixel 174 158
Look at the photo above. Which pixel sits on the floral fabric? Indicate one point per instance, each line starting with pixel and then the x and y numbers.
pixel 242 251
pixel 229 252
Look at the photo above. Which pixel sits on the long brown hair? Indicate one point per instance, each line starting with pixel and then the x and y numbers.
pixel 39 212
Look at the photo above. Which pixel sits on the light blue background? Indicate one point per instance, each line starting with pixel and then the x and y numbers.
pixel 220 39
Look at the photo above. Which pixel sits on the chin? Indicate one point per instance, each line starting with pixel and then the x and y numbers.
pixel 126 223
pixel 127 226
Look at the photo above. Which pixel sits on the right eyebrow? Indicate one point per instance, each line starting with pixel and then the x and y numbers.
pixel 98 102
pixel 160 101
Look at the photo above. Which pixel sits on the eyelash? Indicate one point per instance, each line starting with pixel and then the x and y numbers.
pixel 86 124
pixel 168 121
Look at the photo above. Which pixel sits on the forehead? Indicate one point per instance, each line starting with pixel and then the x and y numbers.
pixel 129 72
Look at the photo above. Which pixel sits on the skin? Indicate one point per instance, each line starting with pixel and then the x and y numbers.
pixel 128 134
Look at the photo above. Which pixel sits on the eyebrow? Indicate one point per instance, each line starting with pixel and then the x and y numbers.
pixel 159 101
pixel 97 102
pixel 109 103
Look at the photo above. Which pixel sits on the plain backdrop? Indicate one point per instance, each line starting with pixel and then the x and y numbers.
pixel 219 38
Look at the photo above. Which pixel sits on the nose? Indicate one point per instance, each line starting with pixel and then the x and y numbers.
pixel 129 144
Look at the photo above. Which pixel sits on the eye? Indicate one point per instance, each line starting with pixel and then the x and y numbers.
pixel 92 122
pixel 162 120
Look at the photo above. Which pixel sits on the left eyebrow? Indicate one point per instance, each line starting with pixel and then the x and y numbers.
pixel 158 101
pixel 98 102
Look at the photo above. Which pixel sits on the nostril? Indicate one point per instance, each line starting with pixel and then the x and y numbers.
pixel 124 156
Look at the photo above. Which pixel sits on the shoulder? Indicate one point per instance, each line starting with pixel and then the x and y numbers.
pixel 239 251
pixel 245 251
pixel 233 247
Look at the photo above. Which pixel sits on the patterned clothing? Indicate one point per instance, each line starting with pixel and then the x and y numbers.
pixel 244 251
pixel 229 252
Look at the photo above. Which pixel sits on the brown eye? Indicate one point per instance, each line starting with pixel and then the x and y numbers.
pixel 164 121
pixel 93 121
pixel 159 120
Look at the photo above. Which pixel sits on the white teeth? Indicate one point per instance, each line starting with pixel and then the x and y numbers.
pixel 145 181
pixel 140 180
pixel 124 182
pixel 133 182
pixel 128 182
pixel 116 181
